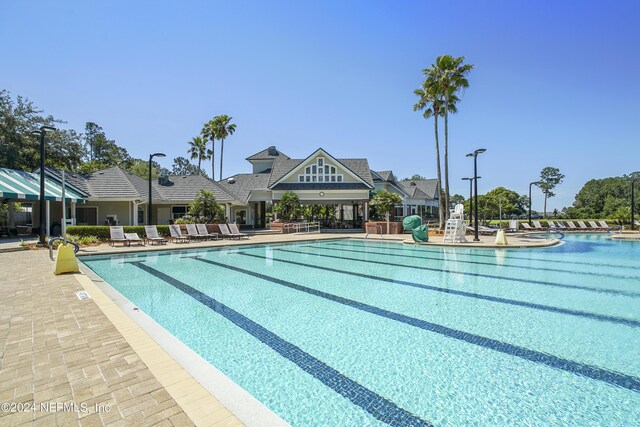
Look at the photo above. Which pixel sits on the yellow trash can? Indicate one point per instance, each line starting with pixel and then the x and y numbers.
pixel 501 238
pixel 65 261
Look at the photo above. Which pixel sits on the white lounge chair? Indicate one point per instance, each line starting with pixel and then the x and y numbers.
pixel 513 225
pixel 116 235
pixel 604 225
pixel 571 225
pixel 226 233
pixel 202 231
pixel 582 225
pixel 192 232
pixel 151 233
pixel 550 224
pixel 537 225
pixel 526 226
pixel 594 225
pixel 176 234
pixel 233 228
pixel 134 238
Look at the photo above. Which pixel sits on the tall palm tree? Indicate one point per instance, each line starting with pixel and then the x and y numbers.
pixel 223 128
pixel 198 150
pixel 209 134
pixel 449 75
pixel 431 104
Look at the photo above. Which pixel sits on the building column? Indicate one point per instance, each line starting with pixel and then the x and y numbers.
pixel 72 215
pixel 273 210
pixel 227 211
pixel 48 219
pixel 135 213
pixel 11 219
pixel 366 211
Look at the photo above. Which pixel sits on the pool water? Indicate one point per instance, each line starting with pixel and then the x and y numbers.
pixel 348 333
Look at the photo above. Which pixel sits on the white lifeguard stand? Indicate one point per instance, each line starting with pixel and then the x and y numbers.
pixel 456 227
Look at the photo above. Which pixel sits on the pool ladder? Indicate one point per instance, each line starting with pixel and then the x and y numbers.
pixel 552 230
pixel 374 228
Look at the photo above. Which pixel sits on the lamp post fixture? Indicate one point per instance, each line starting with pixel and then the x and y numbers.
pixel 470 197
pixel 149 214
pixel 43 130
pixel 475 189
pixel 530 184
pixel 633 203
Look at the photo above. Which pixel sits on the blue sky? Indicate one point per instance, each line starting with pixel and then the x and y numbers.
pixel 556 83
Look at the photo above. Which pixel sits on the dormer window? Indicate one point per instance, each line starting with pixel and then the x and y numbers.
pixel 321 171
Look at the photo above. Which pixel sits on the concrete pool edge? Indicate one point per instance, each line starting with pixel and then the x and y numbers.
pixel 206 395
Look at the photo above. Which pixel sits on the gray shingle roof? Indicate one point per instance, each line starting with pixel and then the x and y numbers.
pixel 265 155
pixel 383 175
pixel 244 183
pixel 281 167
pixel 70 178
pixel 185 188
pixel 421 188
pixel 116 183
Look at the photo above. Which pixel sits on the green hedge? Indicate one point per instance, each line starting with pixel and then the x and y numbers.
pixel 102 231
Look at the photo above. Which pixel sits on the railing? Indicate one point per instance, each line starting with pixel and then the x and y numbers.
pixel 302 227
pixel 374 228
pixel 550 231
pixel 76 248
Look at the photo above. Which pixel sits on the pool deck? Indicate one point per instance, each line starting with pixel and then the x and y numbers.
pixel 515 241
pixel 626 235
pixel 59 349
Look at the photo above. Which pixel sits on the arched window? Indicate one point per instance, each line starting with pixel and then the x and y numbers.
pixel 321 171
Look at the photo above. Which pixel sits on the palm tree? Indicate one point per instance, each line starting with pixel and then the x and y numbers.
pixel 223 129
pixel 431 104
pixel 209 134
pixel 198 150
pixel 449 75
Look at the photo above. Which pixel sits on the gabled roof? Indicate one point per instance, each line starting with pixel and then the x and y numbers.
pixel 388 177
pixel 421 188
pixel 269 153
pixel 185 188
pixel 358 167
pixel 241 185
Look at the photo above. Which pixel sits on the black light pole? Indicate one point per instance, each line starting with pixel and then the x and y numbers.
pixel 530 184
pixel 43 130
pixel 151 156
pixel 475 188
pixel 633 203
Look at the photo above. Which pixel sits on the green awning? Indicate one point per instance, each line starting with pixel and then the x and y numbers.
pixel 21 185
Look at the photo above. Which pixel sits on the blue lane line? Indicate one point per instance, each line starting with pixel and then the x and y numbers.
pixel 492 264
pixel 476 252
pixel 490 276
pixel 578 313
pixel 614 378
pixel 379 407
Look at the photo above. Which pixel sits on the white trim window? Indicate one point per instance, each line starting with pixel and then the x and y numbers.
pixel 321 171
pixel 178 211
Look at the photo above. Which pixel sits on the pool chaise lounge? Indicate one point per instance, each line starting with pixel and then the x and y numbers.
pixel 537 225
pixel 192 232
pixel 116 235
pixel 134 238
pixel 226 233
pixel 152 236
pixel 202 231
pixel 233 227
pixel 526 226
pixel 176 234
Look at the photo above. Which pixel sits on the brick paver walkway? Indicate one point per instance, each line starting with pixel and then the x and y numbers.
pixel 57 350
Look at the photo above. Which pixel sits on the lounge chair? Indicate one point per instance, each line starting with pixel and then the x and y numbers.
pixel 116 235
pixel 202 231
pixel 550 224
pixel 571 225
pixel 513 225
pixel 537 225
pixel 192 232
pixel 526 226
pixel 233 228
pixel 604 225
pixel 594 225
pixel 560 225
pixel 134 238
pixel 176 234
pixel 226 233
pixel 151 234
pixel 582 225
pixel 486 231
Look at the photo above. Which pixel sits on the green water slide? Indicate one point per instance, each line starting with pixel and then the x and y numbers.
pixel 419 232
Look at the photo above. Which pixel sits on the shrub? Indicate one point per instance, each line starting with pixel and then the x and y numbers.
pixel 205 209
pixel 101 232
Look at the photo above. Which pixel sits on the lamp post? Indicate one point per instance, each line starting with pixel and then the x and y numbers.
pixel 470 196
pixel 633 203
pixel 43 130
pixel 149 214
pixel 530 184
pixel 475 189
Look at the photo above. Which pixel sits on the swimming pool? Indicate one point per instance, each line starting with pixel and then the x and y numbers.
pixel 343 332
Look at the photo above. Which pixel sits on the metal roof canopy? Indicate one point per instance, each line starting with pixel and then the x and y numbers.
pixel 21 185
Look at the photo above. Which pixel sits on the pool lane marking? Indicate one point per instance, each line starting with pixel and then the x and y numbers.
pixel 396 246
pixel 378 406
pixel 614 378
pixel 524 267
pixel 490 276
pixel 577 313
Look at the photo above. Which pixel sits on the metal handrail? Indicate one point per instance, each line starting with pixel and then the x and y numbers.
pixel 76 248
pixel 302 227
pixel 373 227
pixel 557 231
